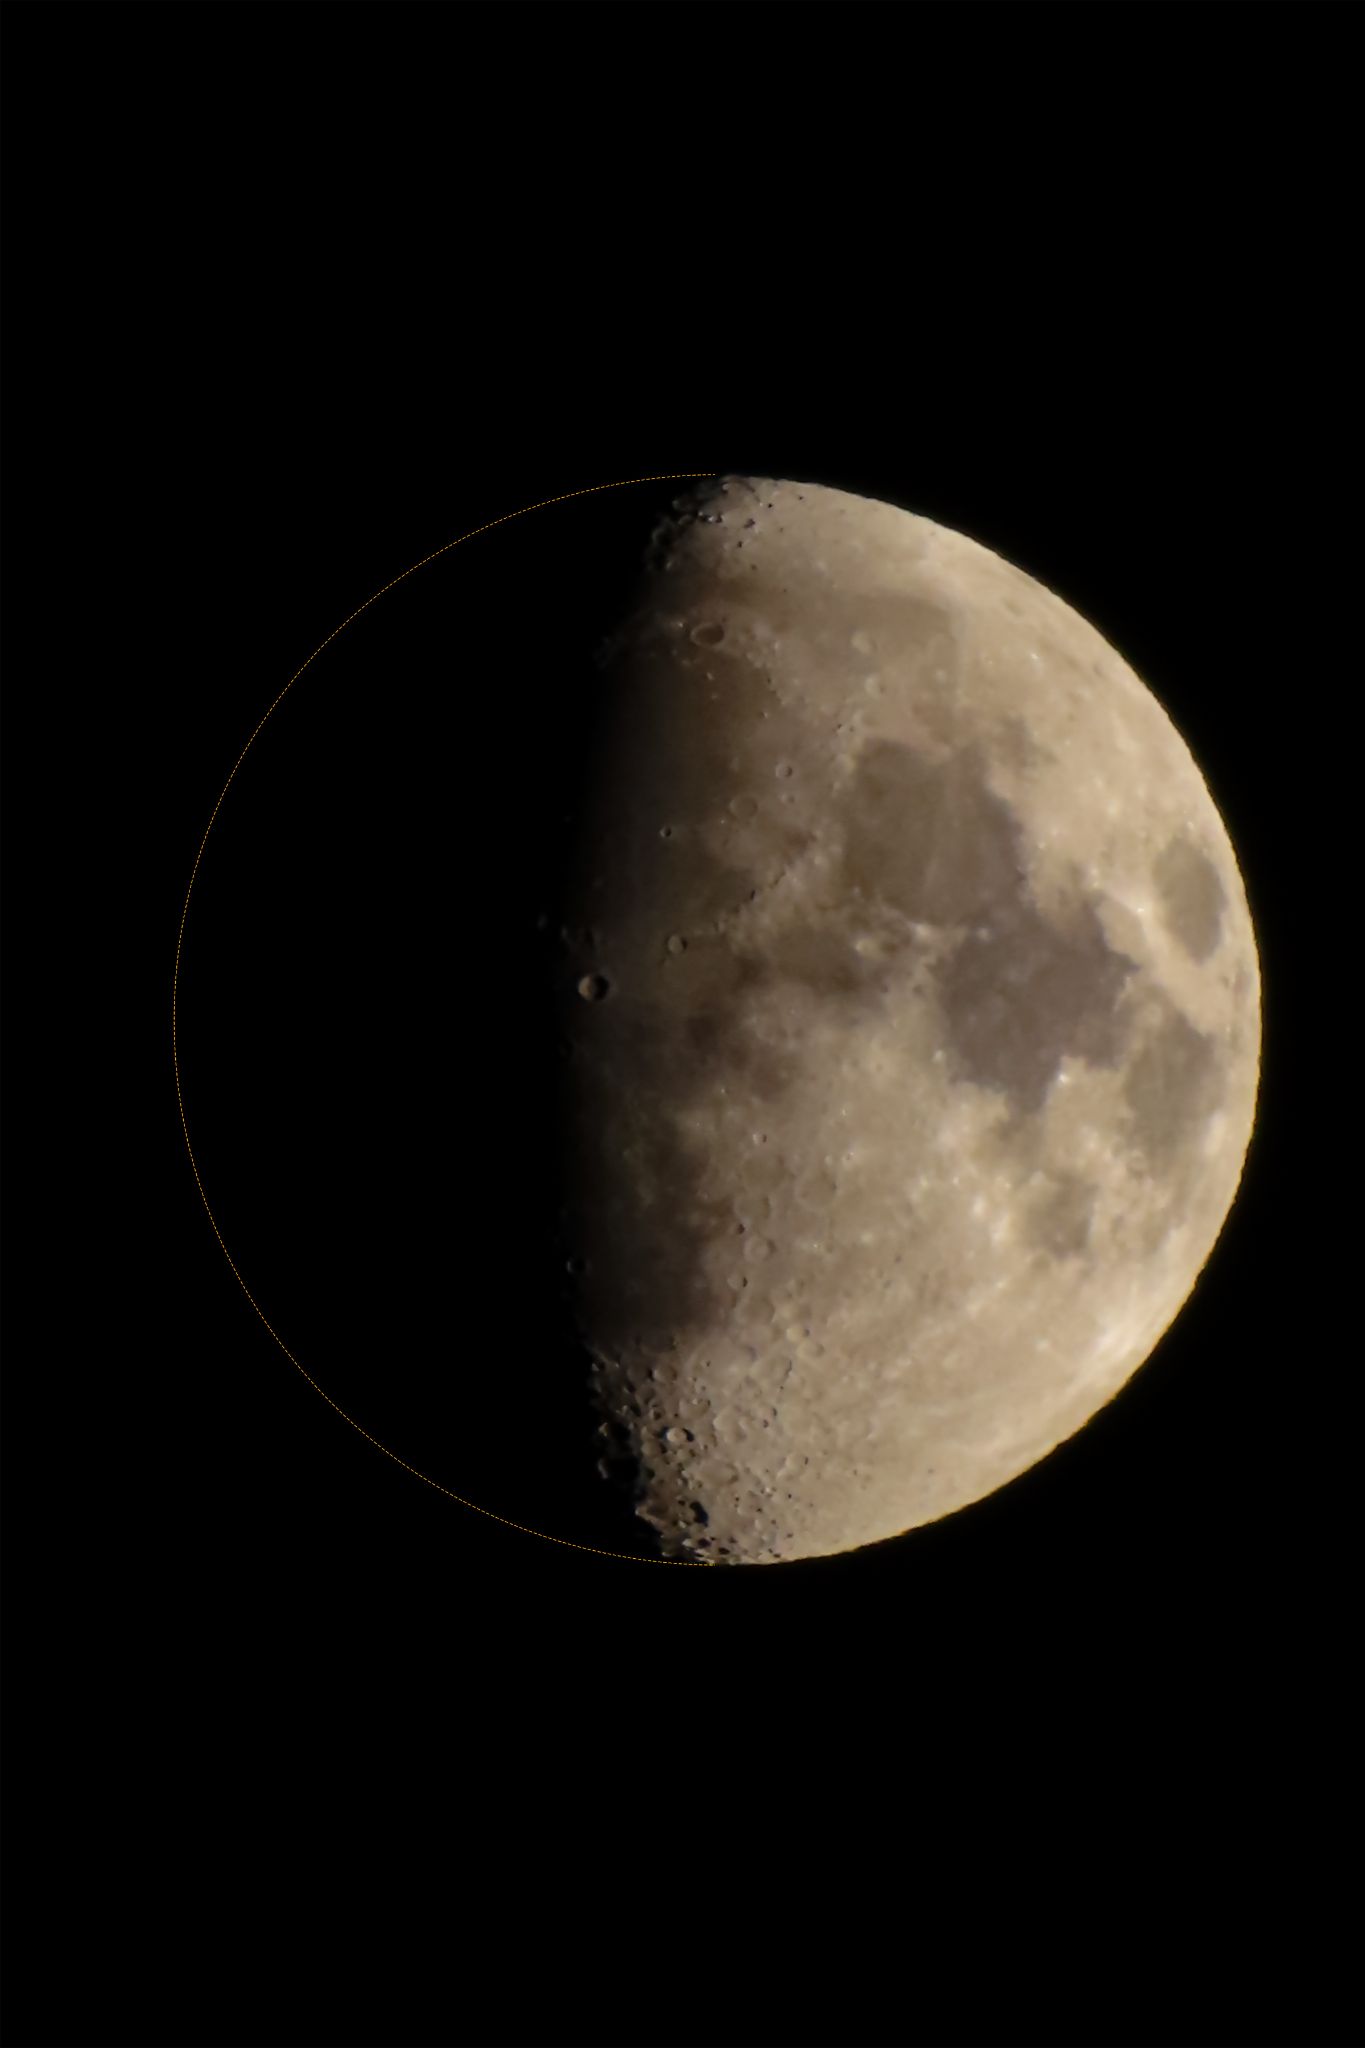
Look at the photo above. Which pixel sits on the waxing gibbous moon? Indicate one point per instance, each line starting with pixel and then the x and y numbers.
pixel 914 1027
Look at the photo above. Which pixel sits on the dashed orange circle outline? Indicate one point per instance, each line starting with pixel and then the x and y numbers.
pixel 667 477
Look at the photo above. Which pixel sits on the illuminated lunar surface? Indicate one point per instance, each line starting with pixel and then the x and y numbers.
pixel 915 1039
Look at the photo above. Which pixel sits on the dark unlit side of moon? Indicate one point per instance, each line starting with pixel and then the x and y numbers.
pixel 915 1043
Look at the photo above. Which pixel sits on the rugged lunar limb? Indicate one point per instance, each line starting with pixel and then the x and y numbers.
pixel 915 1025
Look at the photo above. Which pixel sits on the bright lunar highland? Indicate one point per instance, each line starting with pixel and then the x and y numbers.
pixel 914 1025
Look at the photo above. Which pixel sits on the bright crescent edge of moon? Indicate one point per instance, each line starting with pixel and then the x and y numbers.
pixel 915 1025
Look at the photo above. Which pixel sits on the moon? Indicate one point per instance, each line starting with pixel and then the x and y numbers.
pixel 913 1026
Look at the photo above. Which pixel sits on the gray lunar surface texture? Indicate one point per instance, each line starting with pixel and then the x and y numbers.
pixel 914 1034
